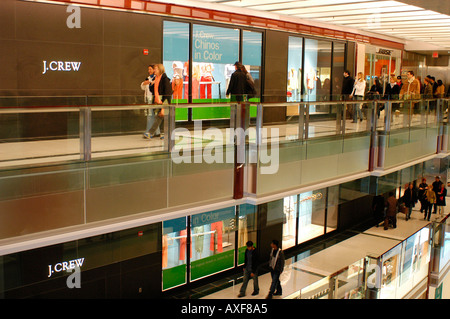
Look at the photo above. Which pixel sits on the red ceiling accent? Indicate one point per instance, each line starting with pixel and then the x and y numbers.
pixel 233 18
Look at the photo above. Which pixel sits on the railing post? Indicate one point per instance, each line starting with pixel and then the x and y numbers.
pixel 241 126
pixel 169 119
pixel 85 133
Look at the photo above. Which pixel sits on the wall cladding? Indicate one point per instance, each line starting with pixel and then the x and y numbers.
pixel 109 45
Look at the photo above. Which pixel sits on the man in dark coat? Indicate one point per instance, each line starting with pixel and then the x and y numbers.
pixel 347 85
pixel 251 263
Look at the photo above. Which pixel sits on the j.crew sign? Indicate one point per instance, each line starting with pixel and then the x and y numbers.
pixel 65 66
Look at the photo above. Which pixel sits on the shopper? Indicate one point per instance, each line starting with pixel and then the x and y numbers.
pixel 399 82
pixel 237 85
pixel 391 211
pixel 347 85
pixel 251 263
pixel 147 87
pixel 409 198
pixel 421 194
pixel 250 90
pixel 392 89
pixel 440 90
pixel 411 88
pixel 430 200
pixel 276 266
pixel 428 89
pixel 359 89
pixel 162 92
pixel 436 186
pixel 440 199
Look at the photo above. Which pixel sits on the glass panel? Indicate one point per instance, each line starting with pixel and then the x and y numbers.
pixel 213 242
pixel 247 229
pixel 317 68
pixel 290 209
pixel 390 272
pixel 311 215
pixel 338 69
pixel 294 72
pixel 251 58
pixel 176 61
pixel 332 208
pixel 174 253
pixel 215 50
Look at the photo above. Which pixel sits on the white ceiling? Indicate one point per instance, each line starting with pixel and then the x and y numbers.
pixel 390 18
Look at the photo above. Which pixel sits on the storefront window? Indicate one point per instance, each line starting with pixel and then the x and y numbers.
pixel 251 58
pixel 290 210
pixel 247 229
pixel 317 68
pixel 294 81
pixel 338 69
pixel 213 242
pixel 174 252
pixel 215 50
pixel 311 215
pixel 176 58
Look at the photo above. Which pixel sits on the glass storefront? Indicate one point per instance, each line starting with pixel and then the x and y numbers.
pixel 248 227
pixel 295 64
pixel 212 242
pixel 380 63
pixel 174 252
pixel 317 66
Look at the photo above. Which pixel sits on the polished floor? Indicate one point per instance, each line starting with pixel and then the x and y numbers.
pixel 44 151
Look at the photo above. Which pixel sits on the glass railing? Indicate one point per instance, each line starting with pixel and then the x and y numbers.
pixel 90 153
pixel 440 262
pixel 391 275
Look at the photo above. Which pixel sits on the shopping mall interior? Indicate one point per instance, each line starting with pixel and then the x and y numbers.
pixel 132 166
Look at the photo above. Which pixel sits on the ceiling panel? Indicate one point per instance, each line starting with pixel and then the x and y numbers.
pixel 391 18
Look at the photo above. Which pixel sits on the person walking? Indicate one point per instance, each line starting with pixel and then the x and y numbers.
pixel 237 85
pixel 440 90
pixel 421 194
pixel 436 186
pixel 147 87
pixel 409 198
pixel 430 200
pixel 276 266
pixel 440 199
pixel 411 88
pixel 359 89
pixel 391 211
pixel 162 91
pixel 251 261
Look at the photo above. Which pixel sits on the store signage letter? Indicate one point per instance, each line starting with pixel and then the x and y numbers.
pixel 61 66
pixel 65 265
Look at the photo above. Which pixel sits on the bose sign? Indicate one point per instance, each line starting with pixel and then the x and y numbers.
pixel 64 66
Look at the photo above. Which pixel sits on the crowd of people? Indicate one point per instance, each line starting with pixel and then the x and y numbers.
pixel 430 196
pixel 395 89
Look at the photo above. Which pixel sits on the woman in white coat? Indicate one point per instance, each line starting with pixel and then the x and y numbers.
pixel 359 89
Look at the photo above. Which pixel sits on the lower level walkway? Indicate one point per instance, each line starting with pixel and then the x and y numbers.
pixel 306 268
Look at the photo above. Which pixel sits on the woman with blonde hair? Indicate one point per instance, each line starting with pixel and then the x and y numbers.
pixel 162 92
pixel 359 89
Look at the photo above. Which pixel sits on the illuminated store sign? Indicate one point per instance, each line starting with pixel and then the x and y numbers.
pixel 65 66
pixel 65 265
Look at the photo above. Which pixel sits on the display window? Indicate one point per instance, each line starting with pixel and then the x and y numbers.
pixel 317 72
pixel 174 253
pixel 290 212
pixel 295 65
pixel 252 60
pixel 390 270
pixel 338 70
pixel 176 62
pixel 215 50
pixel 311 215
pixel 247 230
pixel 212 242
